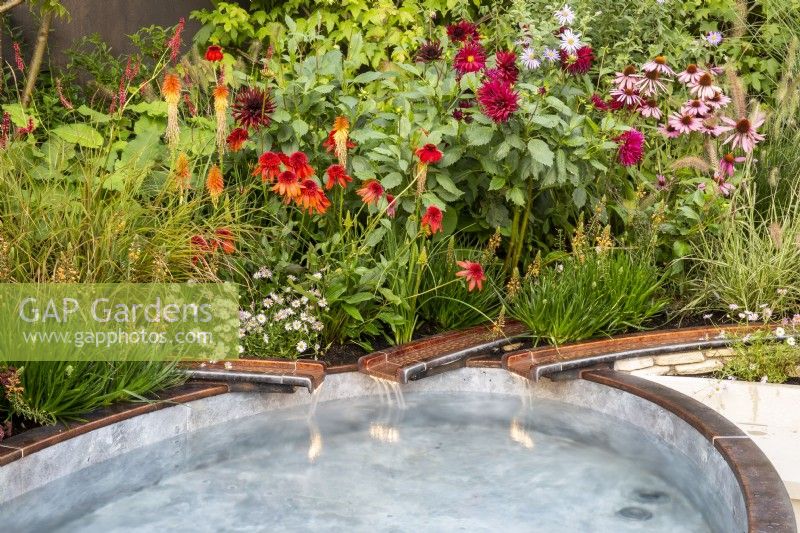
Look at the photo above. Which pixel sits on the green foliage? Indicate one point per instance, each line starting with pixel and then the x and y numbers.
pixel 606 293
pixel 66 390
pixel 390 29
pixel 763 359
pixel 752 262
pixel 446 302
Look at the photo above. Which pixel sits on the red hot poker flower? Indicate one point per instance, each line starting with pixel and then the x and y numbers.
pixel 337 175
pixel 432 220
pixel 371 192
pixel 214 53
pixel 429 154
pixel 472 273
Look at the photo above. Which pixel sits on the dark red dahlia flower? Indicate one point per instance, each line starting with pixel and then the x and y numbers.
pixel 252 108
pixel 497 100
pixel 470 58
pixel 429 51
pixel 579 62
pixel 599 103
pixel 507 66
pixel 463 31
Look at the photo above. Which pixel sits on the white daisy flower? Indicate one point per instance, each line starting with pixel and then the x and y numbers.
pixel 570 41
pixel 301 346
pixel 529 59
pixel 790 341
pixel 714 38
pixel 551 54
pixel 780 332
pixel 261 318
pixel 565 16
pixel 322 303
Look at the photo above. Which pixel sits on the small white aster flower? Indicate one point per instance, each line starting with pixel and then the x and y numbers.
pixel 322 303
pixel 714 38
pixel 529 59
pixel 733 307
pixel 317 275
pixel 551 54
pixel 301 346
pixel 317 347
pixel 790 341
pixel 291 277
pixel 565 16
pixel 708 316
pixel 241 349
pixel 296 303
pixel 570 41
pixel 266 338
pixel 780 332
pixel 261 318
pixel 296 324
pixel 228 365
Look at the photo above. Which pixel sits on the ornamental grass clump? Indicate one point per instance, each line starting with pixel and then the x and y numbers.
pixel 595 291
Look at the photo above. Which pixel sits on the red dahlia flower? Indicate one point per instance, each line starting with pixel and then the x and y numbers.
pixel 214 53
pixel 472 273
pixel 269 166
pixel 337 175
pixel 298 163
pixel 579 62
pixel 371 192
pixel 429 52
pixel 252 108
pixel 432 220
pixel 463 31
pixel 507 66
pixel 470 58
pixel 497 100
pixel 429 154
pixel 630 147
pixel 236 139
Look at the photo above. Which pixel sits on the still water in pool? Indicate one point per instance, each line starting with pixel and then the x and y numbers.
pixel 444 462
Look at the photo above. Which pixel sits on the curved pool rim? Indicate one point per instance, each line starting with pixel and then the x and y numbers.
pixel 766 501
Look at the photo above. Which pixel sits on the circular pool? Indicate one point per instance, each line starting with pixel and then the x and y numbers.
pixel 473 450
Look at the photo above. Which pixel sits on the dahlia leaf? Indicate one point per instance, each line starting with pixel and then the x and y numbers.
pixel 479 135
pixel 540 152
pixel 497 183
pixel 579 197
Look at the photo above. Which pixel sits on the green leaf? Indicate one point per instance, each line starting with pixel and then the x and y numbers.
pixel 367 77
pixel 515 196
pixel 359 297
pixel 497 183
pixel 19 115
pixel 80 134
pixel 540 152
pixel 579 197
pixel 447 184
pixel 95 116
pixel 479 135
pixel 391 180
pixel 300 127
pixel 352 311
pixel 156 108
